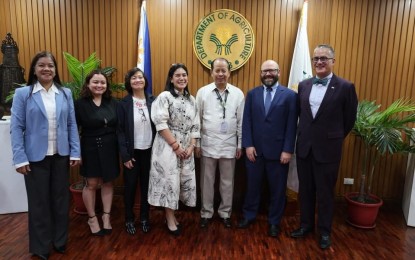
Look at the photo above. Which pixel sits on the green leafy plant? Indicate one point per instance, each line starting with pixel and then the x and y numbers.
pixel 79 70
pixel 9 97
pixel 382 132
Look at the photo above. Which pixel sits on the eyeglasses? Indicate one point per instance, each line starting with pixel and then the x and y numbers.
pixel 323 59
pixel 270 71
pixel 143 116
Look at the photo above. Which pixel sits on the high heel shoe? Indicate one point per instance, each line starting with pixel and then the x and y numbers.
pixel 106 231
pixel 173 232
pixel 99 233
pixel 178 225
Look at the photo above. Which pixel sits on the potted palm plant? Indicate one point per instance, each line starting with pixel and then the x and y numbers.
pixel 79 70
pixel 382 132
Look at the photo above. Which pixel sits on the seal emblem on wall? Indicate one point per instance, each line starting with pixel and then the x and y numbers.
pixel 224 33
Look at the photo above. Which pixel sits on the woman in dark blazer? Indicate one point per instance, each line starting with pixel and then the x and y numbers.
pixel 135 138
pixel 96 115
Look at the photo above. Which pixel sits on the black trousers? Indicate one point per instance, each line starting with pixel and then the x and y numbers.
pixel 47 187
pixel 141 170
pixel 316 184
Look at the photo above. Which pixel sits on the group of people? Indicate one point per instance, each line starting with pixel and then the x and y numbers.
pixel 157 139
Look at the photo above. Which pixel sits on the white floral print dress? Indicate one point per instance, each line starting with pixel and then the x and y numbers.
pixel 173 179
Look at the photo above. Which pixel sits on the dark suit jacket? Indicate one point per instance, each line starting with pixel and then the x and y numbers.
pixel 324 134
pixel 125 130
pixel 275 132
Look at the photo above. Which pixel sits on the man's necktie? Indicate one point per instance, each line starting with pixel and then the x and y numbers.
pixel 320 81
pixel 268 100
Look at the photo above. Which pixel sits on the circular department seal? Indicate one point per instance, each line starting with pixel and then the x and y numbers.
pixel 224 33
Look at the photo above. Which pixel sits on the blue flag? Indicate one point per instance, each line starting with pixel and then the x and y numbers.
pixel 144 57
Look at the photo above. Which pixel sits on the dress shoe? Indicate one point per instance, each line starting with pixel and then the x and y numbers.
pixel 244 223
pixel 130 228
pixel 145 226
pixel 175 232
pixel 301 232
pixel 42 256
pixel 60 249
pixel 227 222
pixel 204 222
pixel 99 233
pixel 106 231
pixel 274 230
pixel 325 241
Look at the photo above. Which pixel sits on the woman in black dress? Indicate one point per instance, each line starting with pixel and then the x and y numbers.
pixel 135 138
pixel 97 119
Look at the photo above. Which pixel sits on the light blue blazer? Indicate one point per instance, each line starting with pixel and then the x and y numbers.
pixel 29 126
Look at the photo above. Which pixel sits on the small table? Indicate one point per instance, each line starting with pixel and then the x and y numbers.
pixel 13 196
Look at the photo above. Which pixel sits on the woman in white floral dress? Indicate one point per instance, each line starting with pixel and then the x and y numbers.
pixel 172 174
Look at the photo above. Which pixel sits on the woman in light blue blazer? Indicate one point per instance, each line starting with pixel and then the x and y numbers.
pixel 45 143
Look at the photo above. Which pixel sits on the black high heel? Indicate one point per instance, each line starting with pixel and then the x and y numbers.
pixel 107 231
pixel 176 232
pixel 99 233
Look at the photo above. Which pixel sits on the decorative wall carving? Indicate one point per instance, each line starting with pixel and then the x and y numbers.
pixel 11 73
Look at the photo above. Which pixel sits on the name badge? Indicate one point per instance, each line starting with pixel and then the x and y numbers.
pixel 224 127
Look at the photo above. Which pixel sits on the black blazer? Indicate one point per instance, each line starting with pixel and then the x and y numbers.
pixel 324 134
pixel 125 130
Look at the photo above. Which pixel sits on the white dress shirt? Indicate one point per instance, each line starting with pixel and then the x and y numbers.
pixel 220 136
pixel 48 99
pixel 317 94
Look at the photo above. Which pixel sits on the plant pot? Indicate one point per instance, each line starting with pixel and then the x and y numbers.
pixel 79 206
pixel 362 215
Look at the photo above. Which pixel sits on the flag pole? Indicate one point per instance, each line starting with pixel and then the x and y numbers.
pixel 143 44
pixel 299 71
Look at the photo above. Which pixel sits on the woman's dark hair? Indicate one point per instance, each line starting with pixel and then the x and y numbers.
pixel 170 86
pixel 127 80
pixel 86 92
pixel 32 77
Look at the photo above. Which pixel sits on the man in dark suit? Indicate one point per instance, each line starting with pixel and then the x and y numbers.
pixel 268 135
pixel 328 106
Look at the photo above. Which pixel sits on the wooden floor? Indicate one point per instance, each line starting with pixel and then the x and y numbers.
pixel 391 239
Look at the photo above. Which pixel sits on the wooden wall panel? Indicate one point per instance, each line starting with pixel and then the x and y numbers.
pixel 80 27
pixel 374 43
